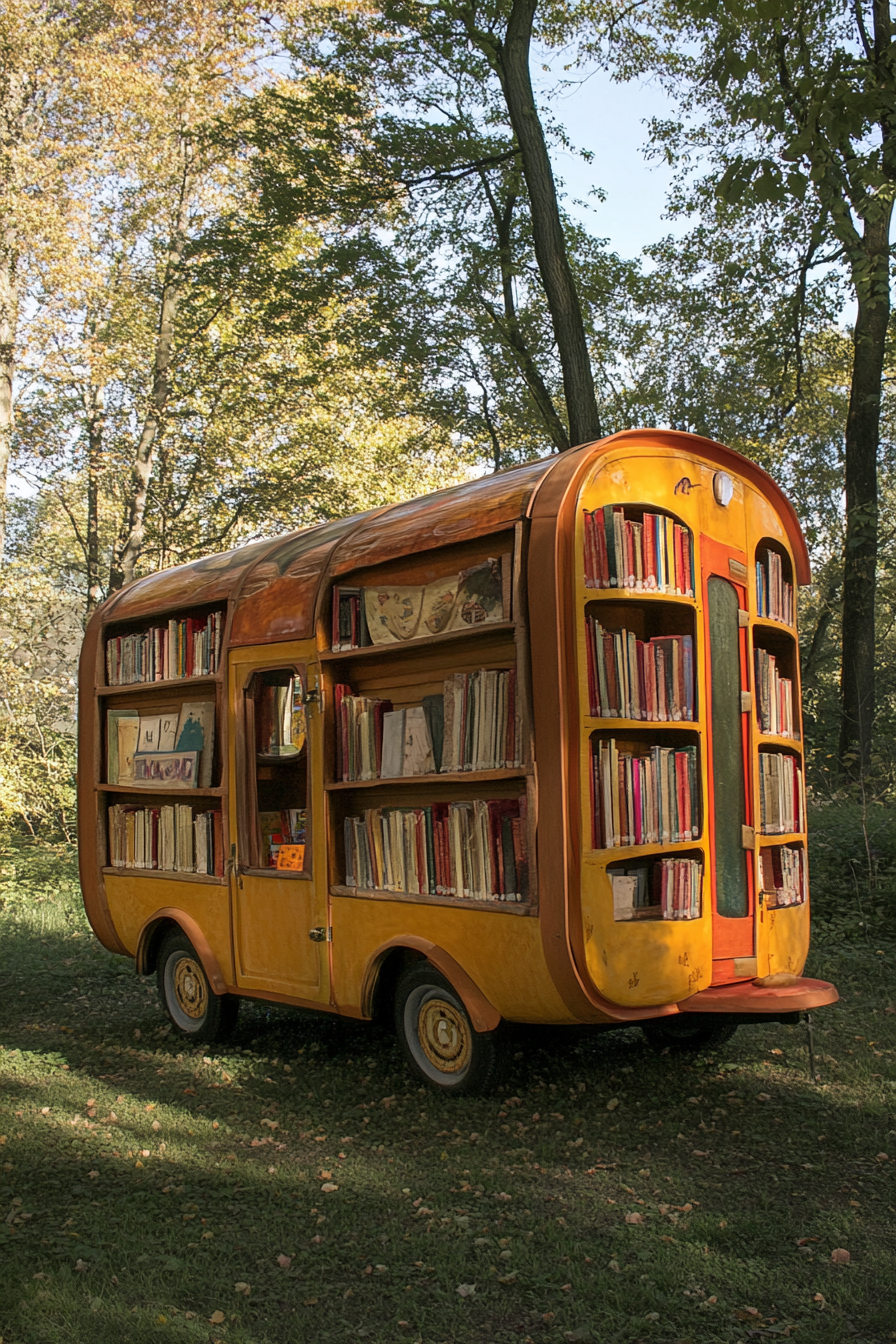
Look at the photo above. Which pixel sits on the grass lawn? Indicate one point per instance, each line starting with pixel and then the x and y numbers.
pixel 297 1185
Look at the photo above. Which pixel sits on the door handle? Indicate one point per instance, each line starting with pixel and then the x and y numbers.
pixel 319 935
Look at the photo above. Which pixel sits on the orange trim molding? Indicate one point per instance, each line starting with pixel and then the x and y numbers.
pixel 196 937
pixel 483 1015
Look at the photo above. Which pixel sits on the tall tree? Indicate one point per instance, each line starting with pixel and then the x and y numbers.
pixel 795 104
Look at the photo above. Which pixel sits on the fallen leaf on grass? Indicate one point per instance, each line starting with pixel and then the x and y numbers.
pixel 284 1261
pixel 328 1188
pixel 840 1256
pixel 82 1265
pixel 466 1289
pixel 804 1241
pixel 311 1301
pixel 634 1218
pixel 611 1105
pixel 216 1318
pixel 507 1278
pixel 242 1288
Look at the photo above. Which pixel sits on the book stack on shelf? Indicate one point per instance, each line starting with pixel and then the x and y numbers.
pixel 472 725
pixel 652 554
pixel 782 871
pixel 182 648
pixel 667 889
pixel 774 696
pixel 644 798
pixel 396 613
pixel 468 850
pixel 774 595
pixel 168 838
pixel 780 794
pixel 166 748
pixel 630 678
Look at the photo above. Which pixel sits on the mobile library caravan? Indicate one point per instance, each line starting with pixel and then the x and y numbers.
pixel 524 750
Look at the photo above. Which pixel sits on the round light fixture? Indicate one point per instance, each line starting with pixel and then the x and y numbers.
pixel 722 488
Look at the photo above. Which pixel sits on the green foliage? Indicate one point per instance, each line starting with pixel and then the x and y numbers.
pixel 852 867
pixel 40 636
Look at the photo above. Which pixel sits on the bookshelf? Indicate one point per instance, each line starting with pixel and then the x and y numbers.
pixel 429 770
pixel 160 752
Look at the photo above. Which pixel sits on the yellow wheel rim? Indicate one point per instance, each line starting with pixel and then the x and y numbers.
pixel 444 1034
pixel 189 988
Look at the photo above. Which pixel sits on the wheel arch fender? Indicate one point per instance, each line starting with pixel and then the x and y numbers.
pixel 153 931
pixel 483 1014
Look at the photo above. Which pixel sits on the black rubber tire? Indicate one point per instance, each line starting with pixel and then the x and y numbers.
pixel 437 1037
pixel 687 1032
pixel 187 997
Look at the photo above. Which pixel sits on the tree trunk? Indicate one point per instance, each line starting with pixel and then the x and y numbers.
pixel 9 313
pixel 95 414
pixel 512 63
pixel 509 327
pixel 130 542
pixel 871 276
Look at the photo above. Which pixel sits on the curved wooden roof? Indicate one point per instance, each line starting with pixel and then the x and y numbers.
pixel 275 583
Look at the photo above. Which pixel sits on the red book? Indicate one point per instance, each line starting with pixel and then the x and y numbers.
pixel 603 564
pixel 683 796
pixel 649 539
pixel 593 697
pixel 218 843
pixel 591 562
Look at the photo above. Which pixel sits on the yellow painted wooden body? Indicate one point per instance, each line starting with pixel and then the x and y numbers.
pixel 564 958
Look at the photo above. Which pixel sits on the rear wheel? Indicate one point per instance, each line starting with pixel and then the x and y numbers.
pixel 437 1036
pixel 687 1032
pixel 191 1003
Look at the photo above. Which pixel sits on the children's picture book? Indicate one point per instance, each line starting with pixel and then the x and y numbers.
pixel 196 732
pixel 167 769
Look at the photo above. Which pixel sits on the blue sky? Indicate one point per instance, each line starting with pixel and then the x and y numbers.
pixel 609 120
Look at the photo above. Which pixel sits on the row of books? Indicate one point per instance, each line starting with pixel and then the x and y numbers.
pixel 668 889
pixel 774 595
pixel 630 678
pixel 774 696
pixel 470 850
pixel 644 798
pixel 188 648
pixel 472 725
pixel 781 807
pixel 782 872
pixel 173 838
pixel 653 555
pixel 169 748
pixel 395 613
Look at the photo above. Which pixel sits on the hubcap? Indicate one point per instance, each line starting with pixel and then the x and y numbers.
pixel 189 988
pixel 444 1036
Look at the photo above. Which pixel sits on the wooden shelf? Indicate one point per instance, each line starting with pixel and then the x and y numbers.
pixel 634 595
pixel 155 788
pixel 458 902
pixel 625 852
pixel 452 777
pixel 625 725
pixel 788 839
pixel 401 646
pixel 780 627
pixel 209 879
pixel 136 687
pixel 770 739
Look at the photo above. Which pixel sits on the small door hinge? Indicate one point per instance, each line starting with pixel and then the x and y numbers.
pixel 746 701
pixel 743 618
pixel 748 837
pixel 321 935
pixel 737 569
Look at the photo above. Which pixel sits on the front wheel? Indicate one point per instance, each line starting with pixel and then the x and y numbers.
pixel 189 1000
pixel 687 1032
pixel 437 1036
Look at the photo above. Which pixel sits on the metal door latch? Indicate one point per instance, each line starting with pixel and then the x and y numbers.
pixel 320 935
